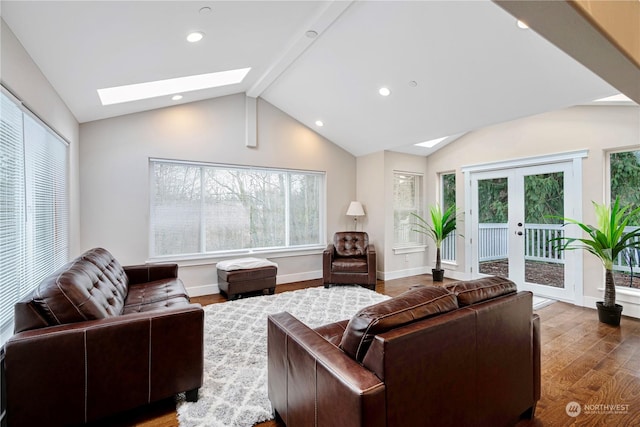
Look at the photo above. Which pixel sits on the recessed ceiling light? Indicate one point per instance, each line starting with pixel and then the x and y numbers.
pixel 319 123
pixel 384 91
pixel 205 10
pixel 413 83
pixel 522 24
pixel 176 97
pixel 135 92
pixel 311 34
pixel 432 142
pixel 196 36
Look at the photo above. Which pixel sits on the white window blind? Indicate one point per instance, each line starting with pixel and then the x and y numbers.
pixel 34 207
pixel 199 208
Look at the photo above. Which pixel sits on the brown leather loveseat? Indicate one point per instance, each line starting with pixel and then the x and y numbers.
pixel 464 355
pixel 95 338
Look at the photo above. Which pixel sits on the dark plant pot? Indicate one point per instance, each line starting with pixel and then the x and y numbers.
pixel 609 315
pixel 438 275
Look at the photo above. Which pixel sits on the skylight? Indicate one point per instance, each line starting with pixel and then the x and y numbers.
pixel 431 143
pixel 135 92
pixel 619 98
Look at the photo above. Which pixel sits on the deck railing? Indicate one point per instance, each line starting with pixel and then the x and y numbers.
pixel 493 244
pixel 493 238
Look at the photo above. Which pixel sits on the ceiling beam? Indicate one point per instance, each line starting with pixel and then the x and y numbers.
pixel 298 44
pixel 565 26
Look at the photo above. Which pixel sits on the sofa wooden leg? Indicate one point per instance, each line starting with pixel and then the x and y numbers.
pixel 327 286
pixel 192 395
pixel 272 291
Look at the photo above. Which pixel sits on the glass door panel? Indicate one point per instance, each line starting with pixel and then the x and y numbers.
pixel 493 214
pixel 544 208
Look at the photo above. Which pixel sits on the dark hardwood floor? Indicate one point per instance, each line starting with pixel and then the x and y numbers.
pixel 583 361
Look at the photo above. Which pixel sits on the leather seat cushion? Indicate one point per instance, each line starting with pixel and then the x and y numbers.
pixel 158 305
pixel 333 332
pixel 486 288
pixel 159 290
pixel 408 307
pixel 350 265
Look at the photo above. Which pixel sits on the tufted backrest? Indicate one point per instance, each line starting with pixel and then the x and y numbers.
pixel 351 243
pixel 92 286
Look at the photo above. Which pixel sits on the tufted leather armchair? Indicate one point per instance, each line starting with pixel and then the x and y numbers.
pixel 349 260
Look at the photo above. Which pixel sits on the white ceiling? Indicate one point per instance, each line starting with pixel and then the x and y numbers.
pixel 473 66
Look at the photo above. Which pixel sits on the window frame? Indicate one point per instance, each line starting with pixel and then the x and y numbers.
pixel 625 293
pixel 418 245
pixel 204 257
pixel 452 238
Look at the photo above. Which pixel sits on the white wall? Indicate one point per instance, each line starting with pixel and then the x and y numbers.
pixel 595 128
pixel 375 191
pixel 370 183
pixel 115 186
pixel 25 80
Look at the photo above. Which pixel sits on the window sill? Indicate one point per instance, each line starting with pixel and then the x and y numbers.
pixel 409 249
pixel 210 259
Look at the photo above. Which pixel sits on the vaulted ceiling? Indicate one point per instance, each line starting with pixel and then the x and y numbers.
pixel 451 66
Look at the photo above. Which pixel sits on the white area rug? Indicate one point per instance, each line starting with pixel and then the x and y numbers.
pixel 234 392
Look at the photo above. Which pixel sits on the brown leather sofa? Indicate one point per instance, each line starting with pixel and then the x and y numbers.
pixel 349 260
pixel 466 355
pixel 95 338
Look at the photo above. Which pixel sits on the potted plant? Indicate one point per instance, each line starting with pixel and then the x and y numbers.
pixel 606 241
pixel 442 224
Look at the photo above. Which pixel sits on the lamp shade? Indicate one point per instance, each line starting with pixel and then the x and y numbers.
pixel 355 209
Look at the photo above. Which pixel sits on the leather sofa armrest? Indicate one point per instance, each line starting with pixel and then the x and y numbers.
pixel 313 382
pixel 371 262
pixel 327 259
pixel 99 367
pixel 150 272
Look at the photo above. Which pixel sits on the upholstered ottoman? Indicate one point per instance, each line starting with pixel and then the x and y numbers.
pixel 239 276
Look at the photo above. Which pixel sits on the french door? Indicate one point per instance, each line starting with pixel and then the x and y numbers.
pixel 515 213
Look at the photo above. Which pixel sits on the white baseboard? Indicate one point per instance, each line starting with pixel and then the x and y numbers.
pixel 629 308
pixel 198 291
pixel 298 277
pixel 400 274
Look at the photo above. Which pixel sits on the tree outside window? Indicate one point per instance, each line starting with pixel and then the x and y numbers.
pixel 204 208
pixel 448 199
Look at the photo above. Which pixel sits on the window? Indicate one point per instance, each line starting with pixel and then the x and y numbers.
pixel 407 200
pixel 199 208
pixel 448 199
pixel 34 213
pixel 624 179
